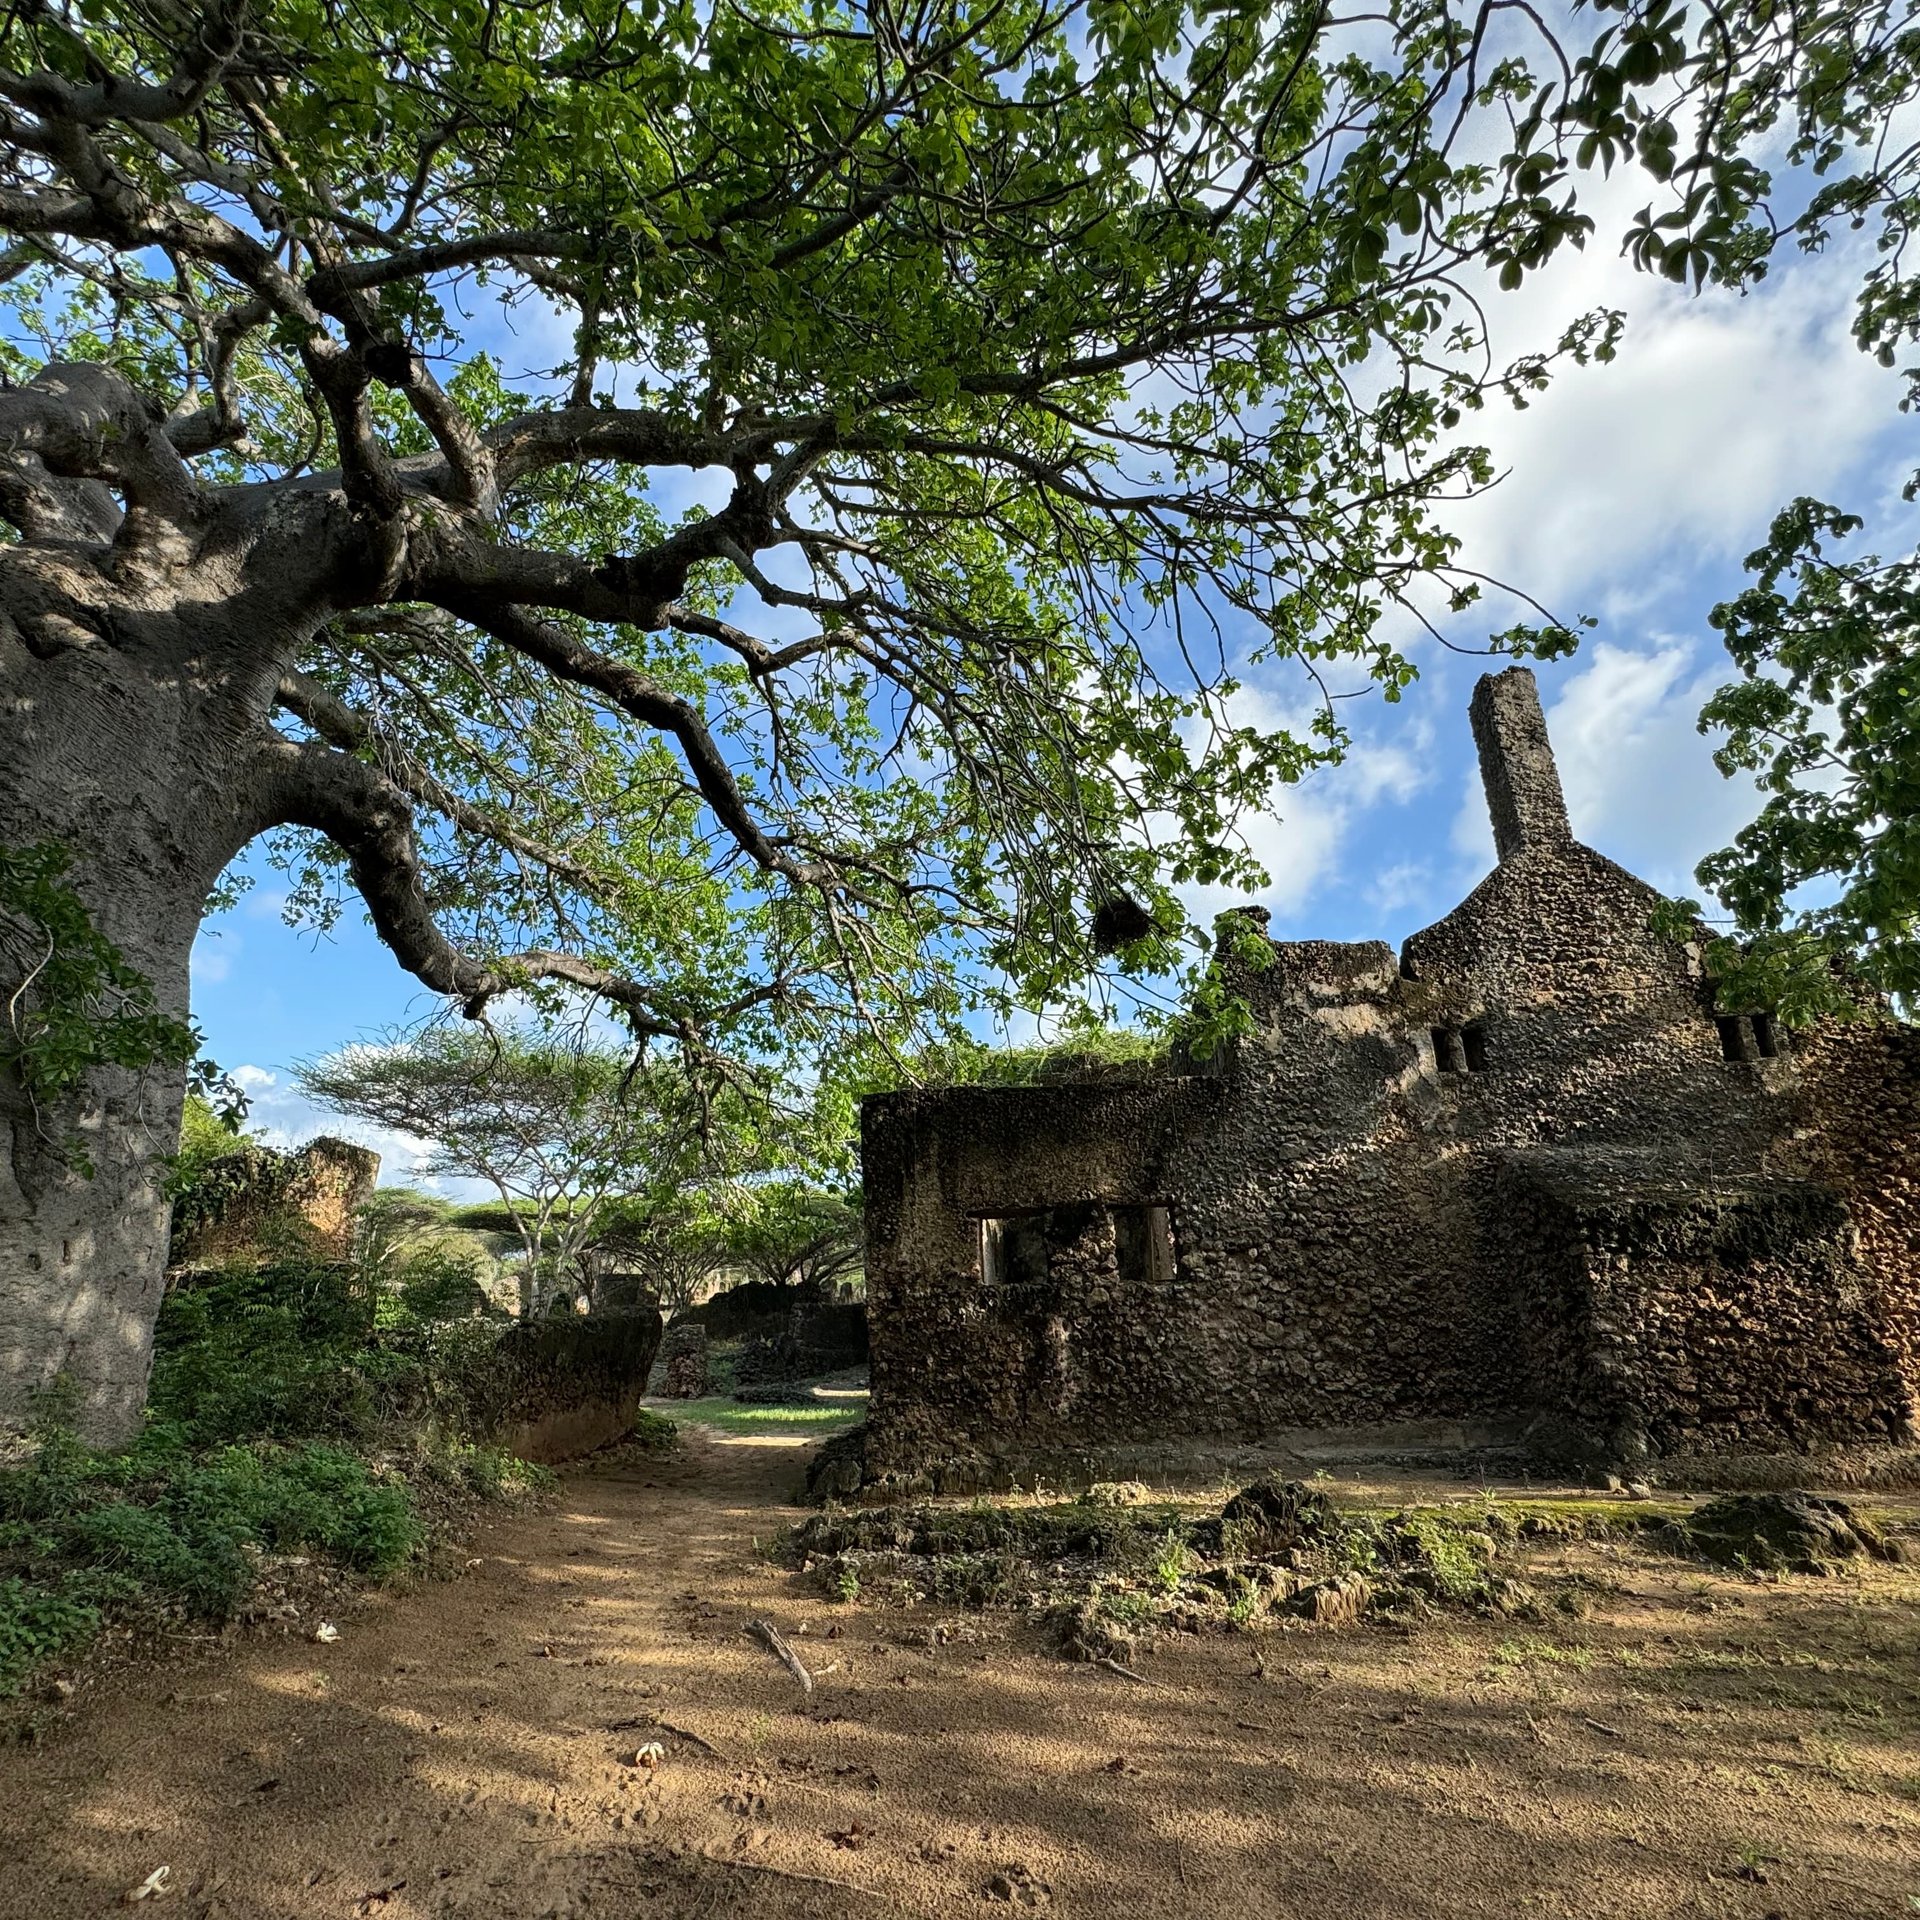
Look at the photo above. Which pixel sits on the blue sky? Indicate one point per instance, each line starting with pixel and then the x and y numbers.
pixel 1632 493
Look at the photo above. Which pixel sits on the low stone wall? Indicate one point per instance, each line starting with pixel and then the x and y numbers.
pixel 683 1360
pixel 551 1390
pixel 819 1337
pixel 1678 1324
pixel 752 1308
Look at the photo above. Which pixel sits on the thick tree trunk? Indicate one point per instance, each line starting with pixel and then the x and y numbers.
pixel 131 770
pixel 83 1253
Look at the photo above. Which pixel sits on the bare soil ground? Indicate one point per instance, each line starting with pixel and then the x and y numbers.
pixel 1697 1745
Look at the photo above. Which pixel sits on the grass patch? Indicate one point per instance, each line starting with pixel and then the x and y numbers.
pixel 652 1433
pixel 1109 1576
pixel 732 1416
pixel 1118 1565
pixel 1529 1650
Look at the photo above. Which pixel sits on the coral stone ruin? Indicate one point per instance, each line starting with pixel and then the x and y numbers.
pixel 1524 1187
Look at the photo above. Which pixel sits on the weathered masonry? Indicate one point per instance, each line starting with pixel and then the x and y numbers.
pixel 1520 1184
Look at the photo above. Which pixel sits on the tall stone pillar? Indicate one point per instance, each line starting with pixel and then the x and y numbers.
pixel 1516 764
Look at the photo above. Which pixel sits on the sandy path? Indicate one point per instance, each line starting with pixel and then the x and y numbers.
pixel 458 1752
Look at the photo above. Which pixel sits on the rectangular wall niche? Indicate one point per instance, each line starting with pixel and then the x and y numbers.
pixel 1013 1252
pixel 1016 1249
pixel 1747 1036
pixel 1143 1241
pixel 1460 1049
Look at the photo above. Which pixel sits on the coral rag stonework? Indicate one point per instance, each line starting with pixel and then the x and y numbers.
pixel 1523 1185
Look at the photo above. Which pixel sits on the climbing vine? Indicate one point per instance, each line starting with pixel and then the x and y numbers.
pixel 75 1003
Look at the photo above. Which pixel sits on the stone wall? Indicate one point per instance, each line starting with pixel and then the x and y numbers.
pixel 552 1389
pixel 748 1309
pixel 683 1359
pixel 785 1332
pixel 1664 1320
pixel 1519 1178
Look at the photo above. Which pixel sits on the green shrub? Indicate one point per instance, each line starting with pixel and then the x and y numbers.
pixel 285 1354
pixel 492 1473
pixel 271 1390
pixel 442 1283
pixel 36 1623
pixel 653 1433
pixel 178 1528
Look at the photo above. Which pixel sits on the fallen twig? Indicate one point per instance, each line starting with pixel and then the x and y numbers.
pixel 789 1873
pixel 1600 1726
pixel 687 1733
pixel 775 1643
pixel 1125 1673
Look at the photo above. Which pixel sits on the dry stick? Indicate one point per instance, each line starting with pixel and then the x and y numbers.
pixel 687 1733
pixel 788 1873
pixel 1125 1673
pixel 785 1783
pixel 770 1637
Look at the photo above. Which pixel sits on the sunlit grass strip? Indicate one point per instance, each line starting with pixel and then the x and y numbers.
pixel 732 1416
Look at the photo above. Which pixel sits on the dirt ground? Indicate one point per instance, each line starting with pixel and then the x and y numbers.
pixel 1694 1746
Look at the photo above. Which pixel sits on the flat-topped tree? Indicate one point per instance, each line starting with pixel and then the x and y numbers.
pixel 564 1133
pixel 1002 336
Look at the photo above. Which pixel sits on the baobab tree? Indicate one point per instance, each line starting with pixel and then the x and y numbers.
pixel 746 512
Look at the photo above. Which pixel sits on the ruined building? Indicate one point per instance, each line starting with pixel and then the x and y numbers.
pixel 255 1205
pixel 1522 1185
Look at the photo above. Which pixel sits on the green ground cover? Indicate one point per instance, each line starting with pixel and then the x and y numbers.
pixel 813 1422
pixel 291 1414
pixel 1110 1570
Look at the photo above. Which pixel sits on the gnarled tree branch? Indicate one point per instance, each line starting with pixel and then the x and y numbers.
pixel 567 658
pixel 82 421
pixel 339 725
pixel 370 819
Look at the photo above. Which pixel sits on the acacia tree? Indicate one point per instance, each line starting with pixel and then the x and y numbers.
pixel 673 1244
pixel 794 1234
pixel 559 1131
pixel 1020 348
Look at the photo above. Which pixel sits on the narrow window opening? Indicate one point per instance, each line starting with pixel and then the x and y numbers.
pixel 1764 1037
pixel 1732 1041
pixel 1013 1252
pixel 1473 1043
pixel 1143 1245
pixel 1448 1053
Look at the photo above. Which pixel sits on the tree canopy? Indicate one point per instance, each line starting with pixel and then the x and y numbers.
pixel 1790 127
pixel 791 1233
pixel 756 512
pixel 562 1133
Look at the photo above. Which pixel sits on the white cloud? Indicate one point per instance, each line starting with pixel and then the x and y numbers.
pixel 1300 835
pixel 212 959
pixel 1639 775
pixel 1297 841
pixel 1717 411
pixel 1400 885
